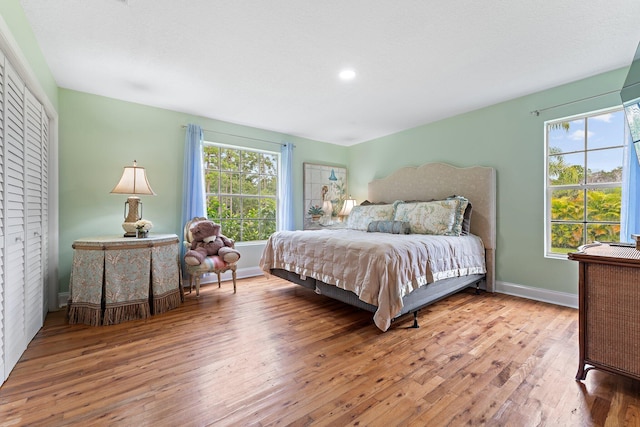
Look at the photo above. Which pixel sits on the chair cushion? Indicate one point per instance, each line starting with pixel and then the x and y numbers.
pixel 210 263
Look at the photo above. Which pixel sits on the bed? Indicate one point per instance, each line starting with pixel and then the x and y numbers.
pixel 393 274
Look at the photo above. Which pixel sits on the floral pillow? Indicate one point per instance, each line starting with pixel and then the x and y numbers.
pixel 361 216
pixel 442 217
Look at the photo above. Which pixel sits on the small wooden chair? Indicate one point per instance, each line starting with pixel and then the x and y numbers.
pixel 211 264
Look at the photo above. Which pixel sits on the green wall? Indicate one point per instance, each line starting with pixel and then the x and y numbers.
pixel 99 136
pixel 13 15
pixel 509 138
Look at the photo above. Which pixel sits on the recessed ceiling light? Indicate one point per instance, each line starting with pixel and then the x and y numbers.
pixel 347 74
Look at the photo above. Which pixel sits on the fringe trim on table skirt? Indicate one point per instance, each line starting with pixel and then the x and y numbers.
pixel 124 311
pixel 167 301
pixel 86 313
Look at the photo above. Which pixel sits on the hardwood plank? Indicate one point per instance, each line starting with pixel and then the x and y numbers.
pixel 278 354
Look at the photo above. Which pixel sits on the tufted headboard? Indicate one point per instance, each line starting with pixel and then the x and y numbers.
pixel 441 180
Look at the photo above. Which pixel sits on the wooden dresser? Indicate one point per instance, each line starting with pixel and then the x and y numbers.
pixel 609 300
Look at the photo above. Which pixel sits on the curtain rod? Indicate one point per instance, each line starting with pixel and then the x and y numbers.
pixel 537 112
pixel 240 136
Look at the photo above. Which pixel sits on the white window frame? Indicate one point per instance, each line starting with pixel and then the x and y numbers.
pixel 548 190
pixel 255 150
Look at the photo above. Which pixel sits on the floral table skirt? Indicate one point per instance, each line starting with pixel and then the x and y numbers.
pixel 114 280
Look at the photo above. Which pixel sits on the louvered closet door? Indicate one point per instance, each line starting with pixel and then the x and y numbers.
pixel 34 215
pixel 3 373
pixel 44 189
pixel 15 312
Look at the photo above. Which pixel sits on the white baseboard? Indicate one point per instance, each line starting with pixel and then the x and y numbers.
pixel 538 294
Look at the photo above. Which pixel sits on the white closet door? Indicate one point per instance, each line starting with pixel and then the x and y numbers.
pixel 15 329
pixel 34 215
pixel 44 185
pixel 3 375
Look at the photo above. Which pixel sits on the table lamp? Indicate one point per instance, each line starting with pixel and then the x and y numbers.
pixel 134 181
pixel 346 208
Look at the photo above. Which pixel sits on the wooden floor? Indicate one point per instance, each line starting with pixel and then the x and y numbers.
pixel 278 354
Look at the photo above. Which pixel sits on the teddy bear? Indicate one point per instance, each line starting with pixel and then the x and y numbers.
pixel 207 241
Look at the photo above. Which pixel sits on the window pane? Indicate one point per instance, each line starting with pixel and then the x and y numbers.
pixel 604 204
pixel 605 130
pixel 250 184
pixel 250 230
pixel 567 205
pixel 566 137
pixel 230 183
pixel 231 229
pixel 268 208
pixel 604 165
pixel 566 237
pixel 269 227
pixel 269 164
pixel 268 185
pixel 250 162
pixel 211 157
pixel 250 207
pixel 213 208
pixel 212 181
pixel 566 169
pixel 603 233
pixel 231 207
pixel 229 159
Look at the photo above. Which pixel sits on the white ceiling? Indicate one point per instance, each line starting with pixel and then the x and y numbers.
pixel 274 64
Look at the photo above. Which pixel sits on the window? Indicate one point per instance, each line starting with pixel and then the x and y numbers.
pixel 584 169
pixel 241 186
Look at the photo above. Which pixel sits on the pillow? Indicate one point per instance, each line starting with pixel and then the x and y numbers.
pixel 361 216
pixel 441 217
pixel 466 216
pixel 392 227
pixel 466 220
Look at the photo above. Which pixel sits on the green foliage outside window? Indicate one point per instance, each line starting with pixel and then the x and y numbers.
pixel 241 187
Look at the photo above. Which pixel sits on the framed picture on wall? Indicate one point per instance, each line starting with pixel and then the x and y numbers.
pixel 325 190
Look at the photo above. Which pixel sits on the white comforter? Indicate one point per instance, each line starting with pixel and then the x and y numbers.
pixel 380 268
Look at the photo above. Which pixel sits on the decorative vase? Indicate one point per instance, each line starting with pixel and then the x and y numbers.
pixel 142 234
pixel 315 218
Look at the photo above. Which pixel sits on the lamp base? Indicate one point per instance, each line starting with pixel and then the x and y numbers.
pixel 129 228
pixel 129 224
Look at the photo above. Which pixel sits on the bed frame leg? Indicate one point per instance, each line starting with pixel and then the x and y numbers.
pixel 477 288
pixel 415 320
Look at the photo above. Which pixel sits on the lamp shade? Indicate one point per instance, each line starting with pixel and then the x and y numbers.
pixel 347 206
pixel 133 181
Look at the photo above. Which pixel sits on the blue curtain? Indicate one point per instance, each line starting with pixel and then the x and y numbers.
pixel 630 215
pixel 193 195
pixel 285 209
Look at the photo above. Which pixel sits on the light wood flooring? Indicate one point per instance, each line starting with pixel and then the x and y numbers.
pixel 278 354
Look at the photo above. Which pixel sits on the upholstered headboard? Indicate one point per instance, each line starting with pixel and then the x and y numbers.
pixel 439 181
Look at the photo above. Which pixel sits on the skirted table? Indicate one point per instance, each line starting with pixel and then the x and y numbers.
pixel 116 279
